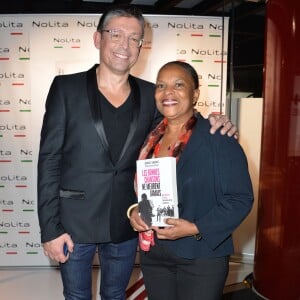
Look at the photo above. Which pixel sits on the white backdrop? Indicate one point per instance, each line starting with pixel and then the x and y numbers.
pixel 35 48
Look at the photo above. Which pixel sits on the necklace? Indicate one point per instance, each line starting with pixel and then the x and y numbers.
pixel 157 149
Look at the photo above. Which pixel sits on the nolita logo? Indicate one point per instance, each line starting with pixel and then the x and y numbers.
pixel 13 127
pixel 66 40
pixel 9 178
pixel 208 52
pixel 11 75
pixel 14 224
pixel 175 25
pixel 11 24
pixel 50 24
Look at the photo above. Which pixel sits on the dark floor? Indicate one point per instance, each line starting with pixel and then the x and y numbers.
pixel 245 293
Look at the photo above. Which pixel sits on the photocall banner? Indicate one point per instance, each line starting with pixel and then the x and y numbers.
pixel 34 49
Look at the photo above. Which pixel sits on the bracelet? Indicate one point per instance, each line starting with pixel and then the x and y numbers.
pixel 130 208
pixel 197 236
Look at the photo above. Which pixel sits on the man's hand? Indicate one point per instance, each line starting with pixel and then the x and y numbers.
pixel 137 222
pixel 54 248
pixel 217 121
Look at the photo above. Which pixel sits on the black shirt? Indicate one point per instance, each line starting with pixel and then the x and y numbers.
pixel 116 122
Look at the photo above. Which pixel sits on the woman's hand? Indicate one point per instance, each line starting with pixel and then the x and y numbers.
pixel 179 228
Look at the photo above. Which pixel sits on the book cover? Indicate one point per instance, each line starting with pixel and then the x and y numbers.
pixel 157 190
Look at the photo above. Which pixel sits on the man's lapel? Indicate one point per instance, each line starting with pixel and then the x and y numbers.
pixel 95 107
pixel 135 114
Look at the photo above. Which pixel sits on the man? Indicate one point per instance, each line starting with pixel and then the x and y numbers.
pixel 94 126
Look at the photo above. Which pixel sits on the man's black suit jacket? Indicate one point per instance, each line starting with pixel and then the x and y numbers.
pixel 80 190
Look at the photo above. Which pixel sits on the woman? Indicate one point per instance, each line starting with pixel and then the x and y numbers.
pixel 190 259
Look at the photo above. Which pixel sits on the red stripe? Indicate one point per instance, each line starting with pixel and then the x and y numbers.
pixel 141 296
pixel 134 287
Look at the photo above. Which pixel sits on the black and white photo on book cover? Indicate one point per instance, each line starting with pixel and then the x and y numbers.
pixel 157 190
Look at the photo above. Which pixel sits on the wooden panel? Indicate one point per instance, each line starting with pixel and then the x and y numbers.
pixel 277 253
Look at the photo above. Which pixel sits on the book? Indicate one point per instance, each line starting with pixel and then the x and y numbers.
pixel 157 190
